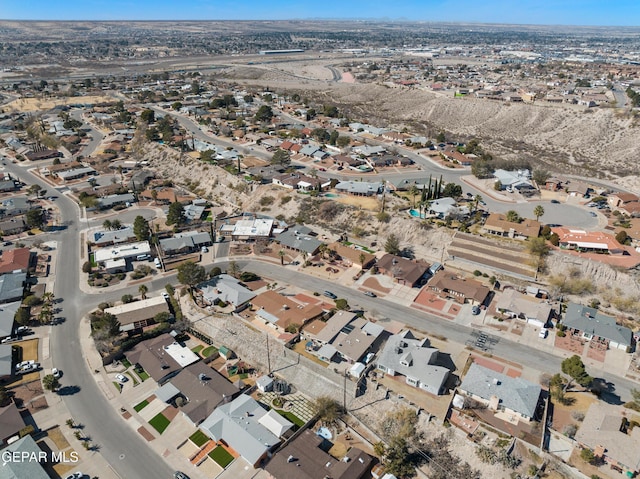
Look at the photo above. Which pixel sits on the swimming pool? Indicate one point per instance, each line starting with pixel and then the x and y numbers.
pixel 331 195
pixel 415 213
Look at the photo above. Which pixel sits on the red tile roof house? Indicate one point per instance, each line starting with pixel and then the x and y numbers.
pixel 460 289
pixel 621 200
pixel 19 259
pixel 281 312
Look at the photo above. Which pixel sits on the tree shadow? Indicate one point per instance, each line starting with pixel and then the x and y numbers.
pixel 605 390
pixel 68 390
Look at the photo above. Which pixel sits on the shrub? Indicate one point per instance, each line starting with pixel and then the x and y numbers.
pixel 477 273
pixel 127 298
pixel 267 200
pixel 570 430
pixel 86 267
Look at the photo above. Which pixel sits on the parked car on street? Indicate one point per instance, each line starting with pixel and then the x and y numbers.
pixel 329 294
pixel 370 294
pixel 55 372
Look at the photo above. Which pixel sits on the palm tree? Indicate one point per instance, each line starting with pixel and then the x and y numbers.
pixel 116 224
pixel 281 253
pixel 106 224
pixel 142 289
pixel 362 259
pixel 476 199
pixel 323 249
pixel 48 297
pixel 154 196
pixel 413 191
pixel 538 211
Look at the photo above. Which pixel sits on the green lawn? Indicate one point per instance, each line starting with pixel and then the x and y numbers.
pixel 159 423
pixel 210 351
pixel 140 406
pixel 199 438
pixel 125 362
pixel 118 386
pixel 135 381
pixel 291 417
pixel 221 456
pixel 198 348
pixel 142 375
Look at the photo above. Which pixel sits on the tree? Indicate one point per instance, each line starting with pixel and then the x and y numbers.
pixel 116 225
pixel 215 271
pixel 190 274
pixel 538 211
pixel 148 116
pixel 476 199
pixel 281 158
pixel 176 105
pixel 106 224
pixel 392 245
pixel 622 237
pixel 34 190
pixel 142 289
pixel 452 190
pixel 538 246
pixel 154 196
pixel 281 254
pixel 413 191
pixel 575 369
pixel 23 316
pixel 540 177
pixel 233 269
pixel 512 216
pixel 343 141
pixel 141 228
pixel 441 138
pixel 328 410
pixel 587 455
pixel 175 215
pixel 362 258
pixel 127 298
pixel 50 382
pixel 35 218
pixel 342 304
pixel 264 113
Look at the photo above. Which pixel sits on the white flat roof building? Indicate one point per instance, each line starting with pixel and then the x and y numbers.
pixel 123 251
pixel 181 354
pixel 253 228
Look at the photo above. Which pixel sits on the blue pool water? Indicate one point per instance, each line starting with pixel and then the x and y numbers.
pixel 415 213
pixel 331 195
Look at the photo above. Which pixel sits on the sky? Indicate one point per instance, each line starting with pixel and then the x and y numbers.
pixel 541 12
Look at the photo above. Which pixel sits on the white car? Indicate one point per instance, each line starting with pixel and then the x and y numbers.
pixel 75 475
pixel 165 295
pixel 121 378
pixel 55 372
pixel 543 333
pixel 25 364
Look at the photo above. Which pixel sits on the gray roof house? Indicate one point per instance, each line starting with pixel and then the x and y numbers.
pixel 199 238
pixel 5 361
pixel 297 238
pixel 225 288
pixel 247 427
pixel 178 245
pixel 501 392
pixel 113 200
pixel 123 235
pixel 7 313
pixel 359 188
pixel 18 205
pixel 27 468
pixel 12 287
pixel 595 325
pixel 413 358
pixel 309 150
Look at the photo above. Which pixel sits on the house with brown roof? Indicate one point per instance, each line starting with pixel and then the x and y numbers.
pixel 457 157
pixel 18 259
pixel 403 270
pixel 605 431
pixel 627 202
pixel 353 257
pixel 204 389
pixel 306 457
pixel 553 184
pixel 281 312
pixel 578 189
pixel 497 224
pixel 11 422
pixel 460 289
pixel 13 226
pixel 161 357
pixel 139 314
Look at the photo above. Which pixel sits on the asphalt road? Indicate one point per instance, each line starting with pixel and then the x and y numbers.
pixel 96 136
pixel 121 446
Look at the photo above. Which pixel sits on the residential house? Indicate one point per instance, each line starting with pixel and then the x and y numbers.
pixel 282 312
pixel 225 289
pixel 351 256
pixel 246 427
pixel 331 328
pixel 161 357
pixel 7 315
pixel 193 212
pixel 578 189
pixel 13 226
pixel 252 229
pixel 590 324
pixel 17 205
pixel 299 238
pixel 121 251
pixel 346 161
pixel 139 314
pixel 360 188
pixel 416 360
pixel 588 241
pixel 114 200
pixel 394 136
pixel 12 287
pixel 462 290
pixel 514 304
pixel 605 431
pixel 519 180
pixel 75 173
pixel 6 361
pixel 367 151
pixel 16 260
pixel 140 179
pixel 444 207
pixel 203 389
pixel 24 449
pixel 8 185
pixel 112 237
pixel 306 457
pixel 180 244
pixel 297 181
pixel 457 157
pixel 11 422
pixel 513 397
pixel 554 184
pixel 620 200
pixel 403 270
pixel 45 154
pixel 497 224
pixel 309 150
pixel 356 339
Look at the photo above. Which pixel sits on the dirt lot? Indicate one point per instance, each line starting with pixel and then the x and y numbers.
pixel 38 104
